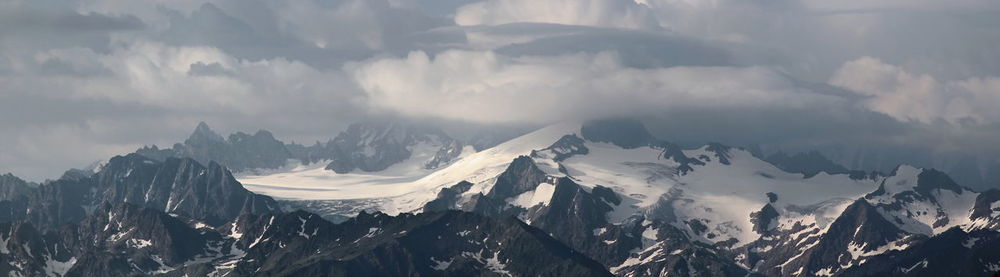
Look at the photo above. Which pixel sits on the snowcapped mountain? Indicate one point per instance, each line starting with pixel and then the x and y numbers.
pixel 644 207
pixel 141 217
pixel 594 199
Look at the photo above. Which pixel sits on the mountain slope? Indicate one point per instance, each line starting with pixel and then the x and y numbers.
pixel 180 186
pixel 128 240
pixel 610 190
pixel 599 198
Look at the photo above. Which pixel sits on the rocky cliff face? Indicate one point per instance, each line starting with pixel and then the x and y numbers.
pixel 129 240
pixel 141 217
pixel 179 186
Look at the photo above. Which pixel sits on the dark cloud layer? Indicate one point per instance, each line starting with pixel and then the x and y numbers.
pixel 871 84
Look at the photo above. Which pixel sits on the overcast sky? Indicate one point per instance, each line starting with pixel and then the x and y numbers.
pixel 86 80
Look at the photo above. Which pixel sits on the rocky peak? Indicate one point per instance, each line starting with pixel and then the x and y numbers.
pixel 567 146
pixel 11 186
pixel 182 186
pixel 987 207
pixel 202 133
pixel 366 133
pixel 447 198
pixel 674 152
pixel 931 179
pixel 764 219
pixel 808 163
pixel 375 145
pixel 520 176
pixel 240 152
pixel 625 133
pixel 721 152
pixel 859 229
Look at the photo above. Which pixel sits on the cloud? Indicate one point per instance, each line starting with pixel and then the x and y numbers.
pixel 638 49
pixel 483 86
pixel 116 74
pixel 809 39
pixel 602 13
pixel 910 96
pixel 119 74
pixel 23 17
pixel 68 107
pixel 812 38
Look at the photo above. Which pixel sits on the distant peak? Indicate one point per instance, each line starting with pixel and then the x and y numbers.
pixel 203 128
pixel 624 132
pixel 9 177
pixel 931 179
pixel 392 129
pixel 203 132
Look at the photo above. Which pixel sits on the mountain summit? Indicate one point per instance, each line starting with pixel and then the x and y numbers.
pixel 239 152
pixel 202 133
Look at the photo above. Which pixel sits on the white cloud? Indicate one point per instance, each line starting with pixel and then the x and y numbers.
pixel 921 97
pixel 483 86
pixel 599 13
pixel 160 75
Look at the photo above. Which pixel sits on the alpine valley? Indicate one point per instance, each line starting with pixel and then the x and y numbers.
pixel 597 198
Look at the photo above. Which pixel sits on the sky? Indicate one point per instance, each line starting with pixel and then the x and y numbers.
pixel 914 81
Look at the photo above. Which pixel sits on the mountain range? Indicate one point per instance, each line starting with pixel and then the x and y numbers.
pixel 598 198
pixel 368 147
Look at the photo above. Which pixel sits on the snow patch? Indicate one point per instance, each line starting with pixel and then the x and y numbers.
pixel 302 229
pixel 540 196
pixel 441 265
pixel 922 264
pixel 372 232
pixel 600 231
pixel 57 268
pixel 139 243
pixel 493 263
pixel 640 258
pixel 824 272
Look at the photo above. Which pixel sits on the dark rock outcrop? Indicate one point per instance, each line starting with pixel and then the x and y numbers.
pixel 625 133
pixel 808 163
pixel 520 176
pixel 180 186
pixel 952 253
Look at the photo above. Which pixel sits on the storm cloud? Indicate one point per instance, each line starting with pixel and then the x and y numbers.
pixel 85 80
